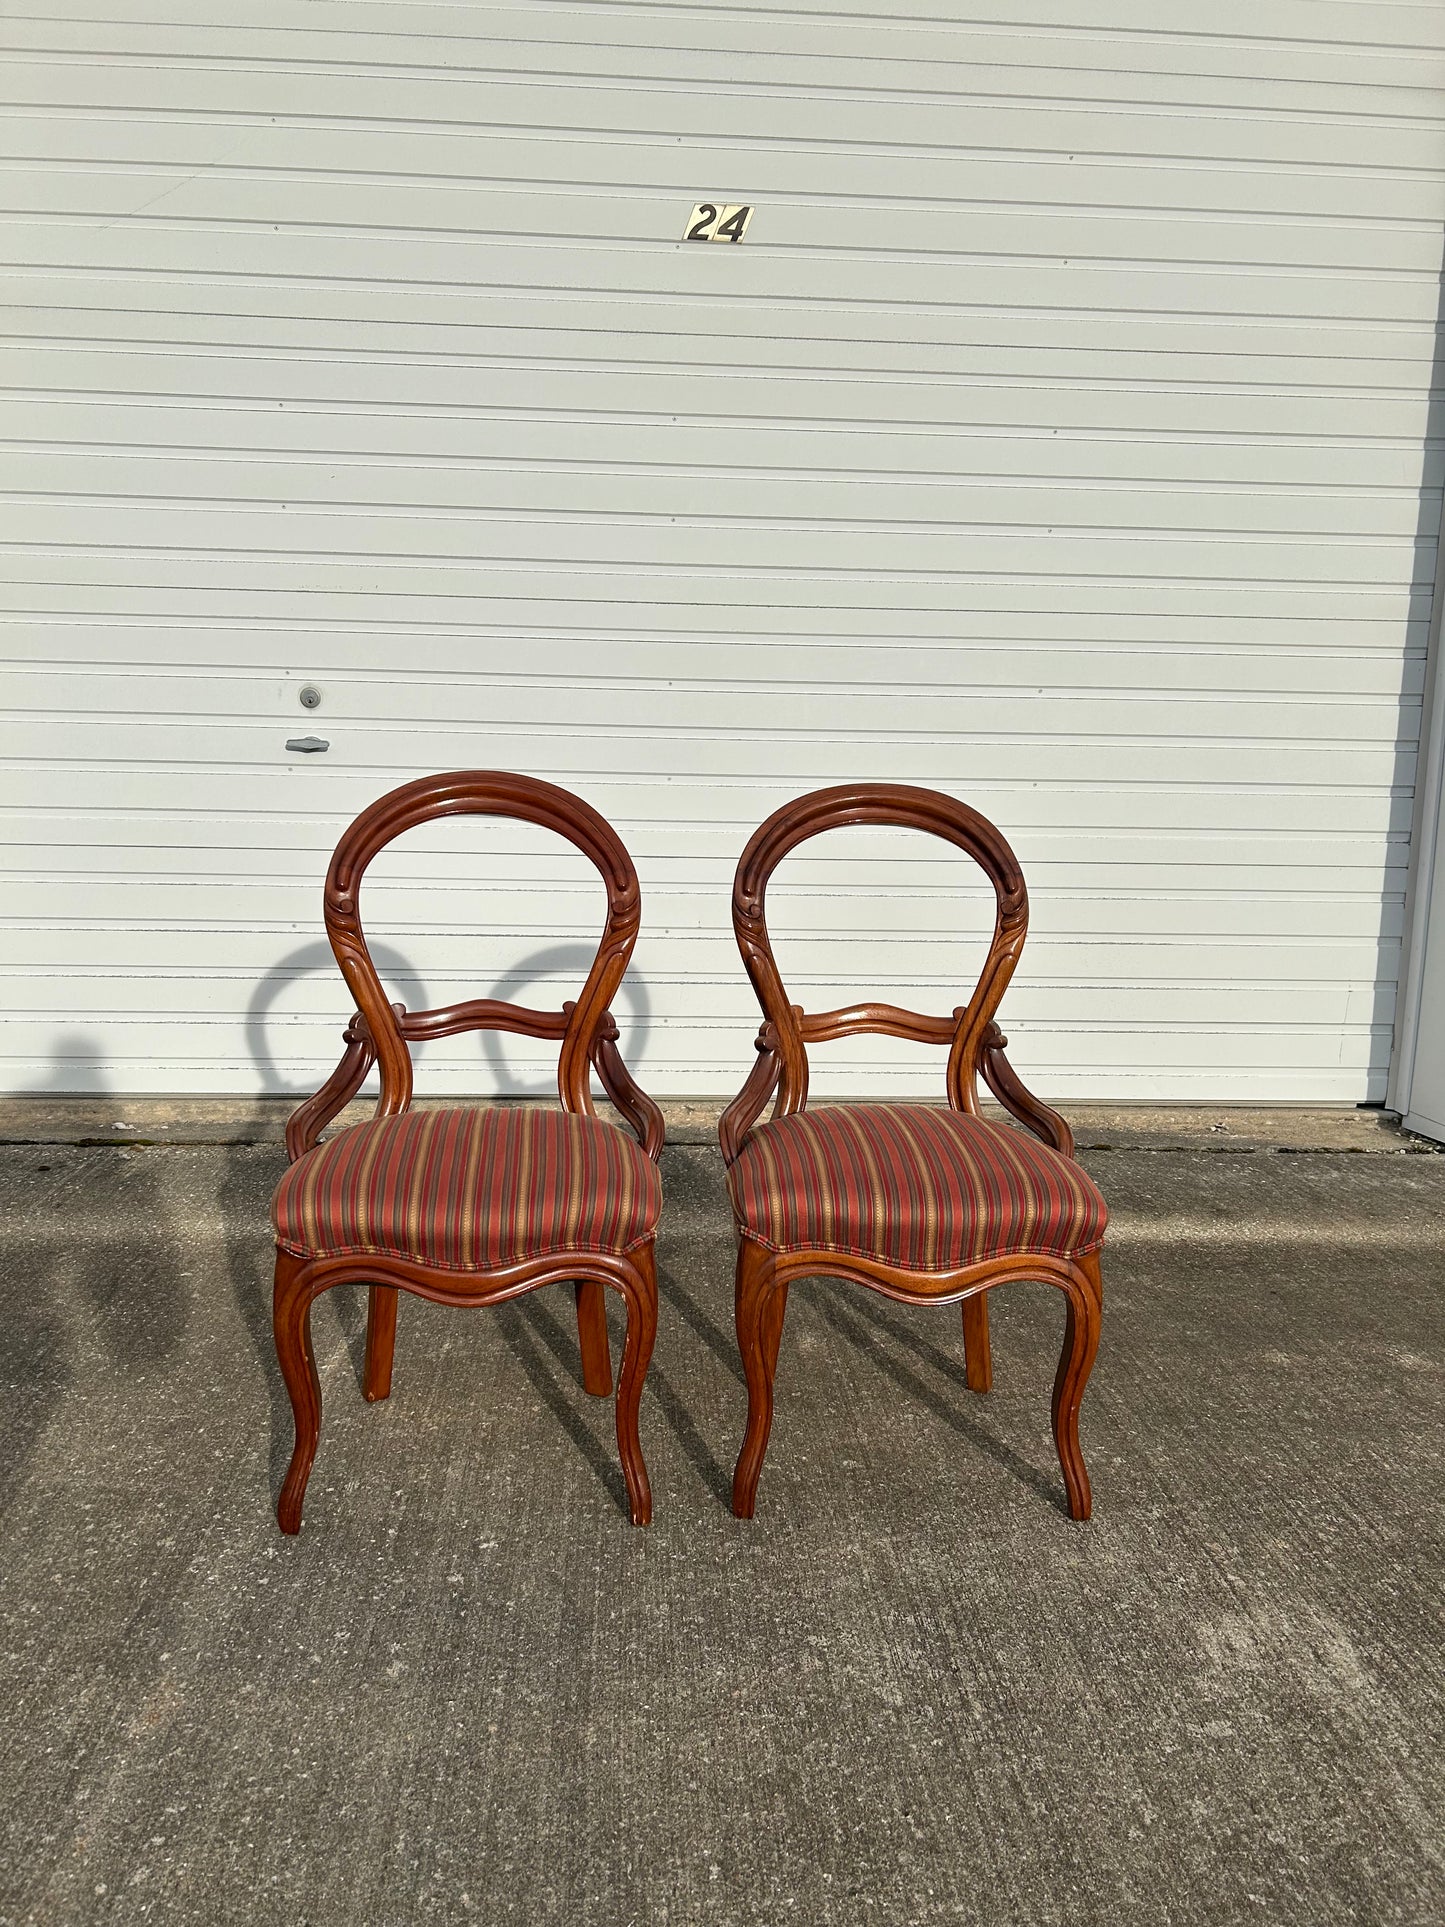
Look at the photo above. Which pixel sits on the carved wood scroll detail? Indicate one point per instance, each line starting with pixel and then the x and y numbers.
pixel 380 1032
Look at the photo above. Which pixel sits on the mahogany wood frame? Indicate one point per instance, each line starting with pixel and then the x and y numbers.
pixel 380 1032
pixel 976 1048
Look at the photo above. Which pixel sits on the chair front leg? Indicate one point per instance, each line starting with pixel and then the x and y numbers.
pixel 977 1351
pixel 291 1322
pixel 640 1292
pixel 592 1337
pixel 1076 1361
pixel 380 1342
pixel 760 1304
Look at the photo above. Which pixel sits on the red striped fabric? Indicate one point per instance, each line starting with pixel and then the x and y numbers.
pixel 469 1190
pixel 924 1189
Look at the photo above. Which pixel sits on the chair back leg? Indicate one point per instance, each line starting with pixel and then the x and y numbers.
pixel 592 1337
pixel 380 1341
pixel 977 1352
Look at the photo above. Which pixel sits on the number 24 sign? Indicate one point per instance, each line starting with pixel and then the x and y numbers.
pixel 716 223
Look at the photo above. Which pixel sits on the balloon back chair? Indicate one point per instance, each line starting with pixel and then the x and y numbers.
pixel 927 1204
pixel 472 1206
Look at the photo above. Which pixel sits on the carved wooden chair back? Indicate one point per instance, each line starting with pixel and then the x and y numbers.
pixel 787 1030
pixel 382 1032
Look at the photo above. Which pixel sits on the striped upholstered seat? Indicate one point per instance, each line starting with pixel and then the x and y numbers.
pixel 923 1188
pixel 469 1190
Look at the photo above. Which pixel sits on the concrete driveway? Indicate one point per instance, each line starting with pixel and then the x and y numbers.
pixel 910 1691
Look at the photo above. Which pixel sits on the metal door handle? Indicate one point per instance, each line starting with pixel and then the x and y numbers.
pixel 307 745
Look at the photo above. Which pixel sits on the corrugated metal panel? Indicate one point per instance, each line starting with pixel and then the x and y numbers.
pixel 1060 435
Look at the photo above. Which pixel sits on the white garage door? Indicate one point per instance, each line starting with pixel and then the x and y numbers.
pixel 1057 435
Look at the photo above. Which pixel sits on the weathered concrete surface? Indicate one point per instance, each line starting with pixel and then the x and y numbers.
pixel 910 1692
pixel 51 1119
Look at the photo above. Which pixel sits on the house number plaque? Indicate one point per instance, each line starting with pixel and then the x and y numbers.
pixel 711 221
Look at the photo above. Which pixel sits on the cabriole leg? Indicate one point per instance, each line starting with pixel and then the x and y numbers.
pixel 1081 1342
pixel 774 1311
pixel 641 1296
pixel 291 1321
pixel 760 1306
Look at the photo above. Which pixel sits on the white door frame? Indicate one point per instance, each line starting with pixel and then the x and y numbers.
pixel 1413 1020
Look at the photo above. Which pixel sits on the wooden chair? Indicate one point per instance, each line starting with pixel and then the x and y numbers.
pixel 925 1204
pixel 470 1206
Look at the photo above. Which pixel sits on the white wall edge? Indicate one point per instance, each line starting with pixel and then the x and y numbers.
pixel 1424 862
